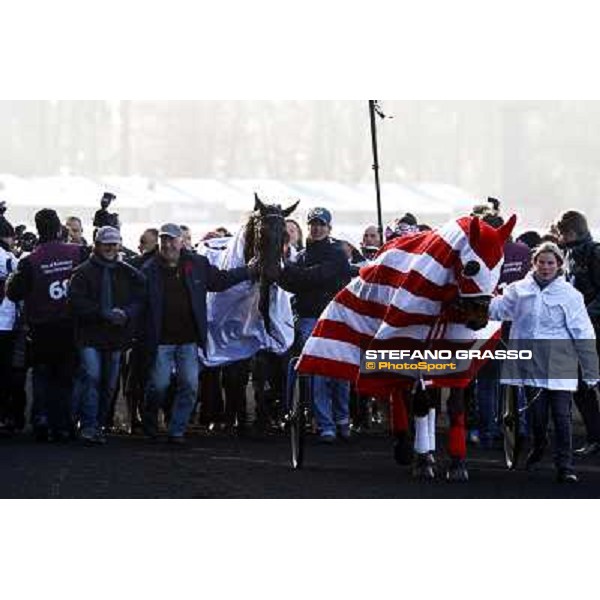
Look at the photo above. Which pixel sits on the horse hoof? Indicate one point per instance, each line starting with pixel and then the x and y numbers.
pixel 422 468
pixel 457 471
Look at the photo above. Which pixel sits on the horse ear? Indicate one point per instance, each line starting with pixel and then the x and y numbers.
pixel 258 205
pixel 290 209
pixel 474 231
pixel 506 229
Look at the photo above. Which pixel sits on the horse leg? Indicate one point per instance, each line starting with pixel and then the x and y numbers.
pixel 457 445
pixel 399 425
pixel 422 466
pixel 259 380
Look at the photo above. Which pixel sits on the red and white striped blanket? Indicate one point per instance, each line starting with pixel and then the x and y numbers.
pixel 401 299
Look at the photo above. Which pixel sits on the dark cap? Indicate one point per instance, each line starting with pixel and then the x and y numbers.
pixel 319 214
pixel 171 230
pixel 108 235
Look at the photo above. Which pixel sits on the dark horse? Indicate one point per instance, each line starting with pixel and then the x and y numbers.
pixel 265 236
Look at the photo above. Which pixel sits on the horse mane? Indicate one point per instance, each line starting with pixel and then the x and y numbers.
pixel 249 235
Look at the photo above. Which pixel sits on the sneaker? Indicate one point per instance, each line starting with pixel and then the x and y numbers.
pixel 343 433
pixel 566 476
pixel 589 449
pixel 327 438
pixel 176 440
pixel 93 439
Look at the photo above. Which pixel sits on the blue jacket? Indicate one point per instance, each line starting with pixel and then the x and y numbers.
pixel 200 277
pixel 318 274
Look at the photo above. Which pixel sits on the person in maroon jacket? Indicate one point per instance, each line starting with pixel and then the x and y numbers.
pixel 42 281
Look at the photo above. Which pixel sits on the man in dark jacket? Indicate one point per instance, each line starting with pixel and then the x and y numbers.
pixel 148 248
pixel 133 367
pixel 106 297
pixel 175 325
pixel 582 264
pixel 42 281
pixel 318 274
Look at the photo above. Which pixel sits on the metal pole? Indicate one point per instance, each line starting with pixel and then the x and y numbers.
pixel 376 167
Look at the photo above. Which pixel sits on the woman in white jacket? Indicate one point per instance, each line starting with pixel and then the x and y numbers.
pixel 545 308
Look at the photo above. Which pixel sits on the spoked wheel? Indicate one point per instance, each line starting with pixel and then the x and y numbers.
pixel 297 426
pixel 296 416
pixel 510 426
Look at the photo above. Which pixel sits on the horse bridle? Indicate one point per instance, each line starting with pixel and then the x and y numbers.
pixel 262 217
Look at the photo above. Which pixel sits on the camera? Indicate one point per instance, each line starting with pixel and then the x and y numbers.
pixel 107 198
pixel 102 217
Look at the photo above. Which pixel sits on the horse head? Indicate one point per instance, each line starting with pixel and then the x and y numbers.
pixel 265 236
pixel 268 236
pixel 478 268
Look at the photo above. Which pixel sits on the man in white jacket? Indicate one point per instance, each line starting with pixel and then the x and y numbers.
pixel 549 317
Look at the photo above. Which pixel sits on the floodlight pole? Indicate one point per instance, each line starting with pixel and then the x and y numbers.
pixel 372 109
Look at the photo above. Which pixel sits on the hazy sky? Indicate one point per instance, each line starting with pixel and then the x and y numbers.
pixel 542 156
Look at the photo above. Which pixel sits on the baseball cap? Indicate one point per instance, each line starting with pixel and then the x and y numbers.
pixel 319 214
pixel 171 230
pixel 108 235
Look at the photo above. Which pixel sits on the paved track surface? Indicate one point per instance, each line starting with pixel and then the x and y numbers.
pixel 219 466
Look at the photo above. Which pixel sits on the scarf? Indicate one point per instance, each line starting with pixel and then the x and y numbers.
pixel 106 284
pixel 543 283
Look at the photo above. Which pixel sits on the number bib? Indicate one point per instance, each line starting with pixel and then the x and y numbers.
pixel 52 265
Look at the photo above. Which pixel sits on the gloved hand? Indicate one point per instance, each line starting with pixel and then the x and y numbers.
pixel 253 269
pixel 117 316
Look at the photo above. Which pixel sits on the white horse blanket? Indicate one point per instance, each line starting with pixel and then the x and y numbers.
pixel 236 329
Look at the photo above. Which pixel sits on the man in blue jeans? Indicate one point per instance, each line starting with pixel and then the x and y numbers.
pixel 317 275
pixel 331 397
pixel 106 297
pixel 175 326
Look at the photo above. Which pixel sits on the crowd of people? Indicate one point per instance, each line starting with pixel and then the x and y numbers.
pixel 89 319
